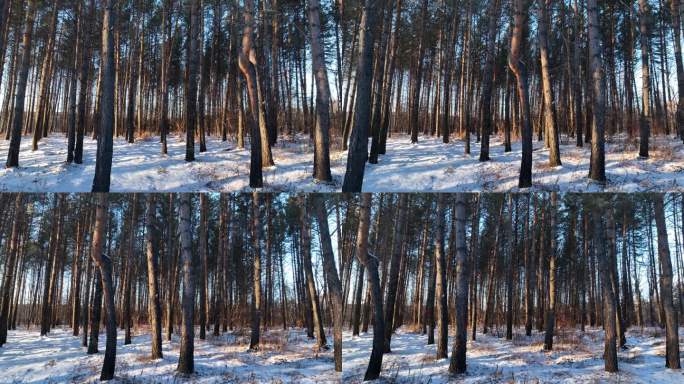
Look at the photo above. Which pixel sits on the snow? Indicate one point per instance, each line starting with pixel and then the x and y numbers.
pixel 428 166
pixel 285 357
pixel 576 358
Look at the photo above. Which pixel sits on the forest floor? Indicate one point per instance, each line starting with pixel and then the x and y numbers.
pixel 285 357
pixel 428 166
pixel 576 358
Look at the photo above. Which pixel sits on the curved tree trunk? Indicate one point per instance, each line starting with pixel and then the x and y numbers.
pixel 247 63
pixel 104 264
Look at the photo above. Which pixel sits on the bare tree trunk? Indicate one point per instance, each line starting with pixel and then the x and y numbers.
pixel 488 113
pixel 104 263
pixel 549 109
pixel 256 294
pixel 677 37
pixel 186 362
pixel 308 272
pixel 192 73
pixel 204 276
pixel 333 281
pixel 441 282
pixel 371 264
pixel 550 321
pixel 645 120
pixel 154 304
pixel 247 62
pixel 9 269
pixel 672 324
pixel 597 170
pixel 20 96
pixel 322 131
pixel 358 149
pixel 103 165
pixel 519 69
pixel 609 315
pixel 457 365
pixel 391 291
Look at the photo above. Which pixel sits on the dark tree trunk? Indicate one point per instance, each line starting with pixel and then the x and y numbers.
pixel 391 290
pixel 457 365
pixel 441 281
pixel 20 94
pixel 186 362
pixel 358 148
pixel 104 264
pixel 331 276
pixel 154 304
pixel 671 321
pixel 105 144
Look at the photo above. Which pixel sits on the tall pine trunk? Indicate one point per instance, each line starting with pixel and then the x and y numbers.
pixel 20 93
pixel 105 144
pixel 186 362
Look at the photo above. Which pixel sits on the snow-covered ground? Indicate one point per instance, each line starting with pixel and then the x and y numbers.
pixel 285 357
pixel 428 166
pixel 576 358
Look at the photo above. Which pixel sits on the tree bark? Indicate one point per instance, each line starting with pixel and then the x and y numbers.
pixel 20 95
pixel 519 69
pixel 391 291
pixel 358 148
pixel 457 365
pixel 331 276
pixel 322 131
pixel 154 304
pixel 186 363
pixel 103 164
pixel 441 282
pixel 671 321
pixel 104 263
pixel 597 171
